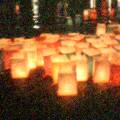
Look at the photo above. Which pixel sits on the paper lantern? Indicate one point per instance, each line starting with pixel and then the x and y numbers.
pixel 7 54
pixel 81 45
pixel 19 69
pixel 31 59
pixel 91 39
pixel 115 75
pixel 101 29
pixel 47 53
pixel 40 57
pixel 4 43
pixel 56 61
pixel 91 52
pixel 101 70
pixel 67 84
pixel 75 37
pixel 93 14
pixel 30 49
pixel 68 43
pixel 86 13
pixel 19 40
pixel 66 50
pixel 99 44
pixel 82 70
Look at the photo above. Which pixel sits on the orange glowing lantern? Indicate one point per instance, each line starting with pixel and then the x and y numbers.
pixel 47 53
pixel 101 70
pixel 19 68
pixel 101 29
pixel 56 60
pixel 4 43
pixel 67 84
pixel 86 13
pixel 31 54
pixel 67 50
pixel 93 14
pixel 115 70
pixel 82 69
pixel 17 9
pixel 20 40
pixel 7 57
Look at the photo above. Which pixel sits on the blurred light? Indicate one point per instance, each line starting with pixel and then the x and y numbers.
pixel 35 9
pixel 36 26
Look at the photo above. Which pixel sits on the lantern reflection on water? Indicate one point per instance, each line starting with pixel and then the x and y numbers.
pixel 67 84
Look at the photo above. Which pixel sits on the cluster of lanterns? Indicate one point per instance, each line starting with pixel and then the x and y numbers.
pixel 68 58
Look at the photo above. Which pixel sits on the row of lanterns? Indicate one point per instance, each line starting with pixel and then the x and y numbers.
pixel 69 58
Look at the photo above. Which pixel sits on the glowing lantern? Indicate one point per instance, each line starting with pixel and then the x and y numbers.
pixel 7 57
pixel 81 45
pixel 101 29
pixel 19 69
pixel 82 69
pixel 56 60
pixel 99 44
pixel 47 53
pixel 31 54
pixel 67 84
pixel 67 50
pixel 101 70
pixel 40 59
pixel 93 14
pixel 91 52
pixel 86 14
pixel 4 43
pixel 68 43
pixel 91 39
pixel 115 69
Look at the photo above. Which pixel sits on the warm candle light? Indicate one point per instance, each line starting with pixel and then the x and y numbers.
pixel 101 70
pixel 101 29
pixel 30 50
pixel 82 70
pixel 67 84
pixel 47 53
pixel 19 69
pixel 86 13
pixel 56 60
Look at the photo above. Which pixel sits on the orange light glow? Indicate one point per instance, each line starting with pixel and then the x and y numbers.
pixel 101 71
pixel 67 84
pixel 19 69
